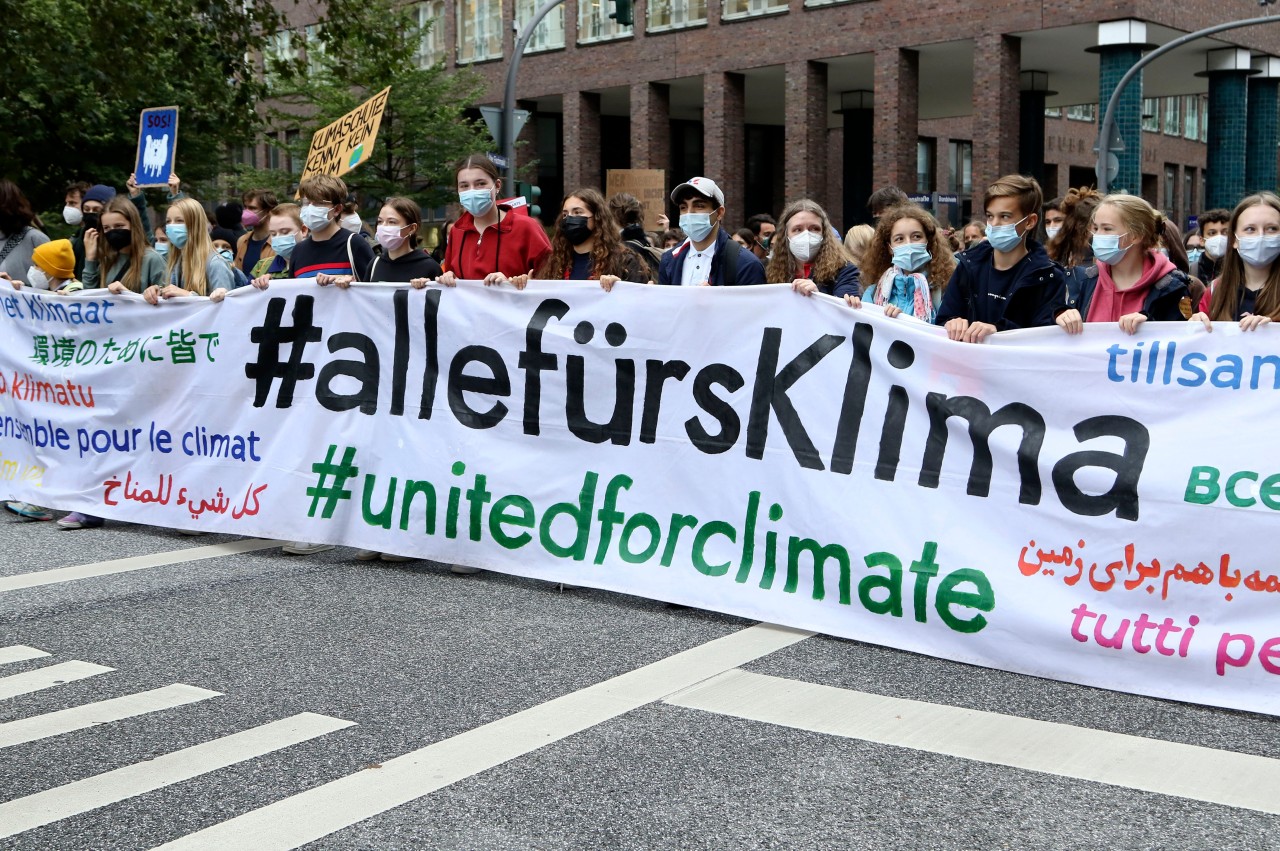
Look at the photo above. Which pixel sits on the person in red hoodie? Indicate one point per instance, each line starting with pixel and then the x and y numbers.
pixel 1132 281
pixel 489 242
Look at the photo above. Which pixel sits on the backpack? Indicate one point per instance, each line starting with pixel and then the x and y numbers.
pixel 651 256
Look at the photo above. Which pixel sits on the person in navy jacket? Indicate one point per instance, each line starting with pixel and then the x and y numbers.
pixel 1007 281
pixel 708 257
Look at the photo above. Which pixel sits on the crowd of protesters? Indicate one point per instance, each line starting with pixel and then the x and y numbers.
pixel 1024 263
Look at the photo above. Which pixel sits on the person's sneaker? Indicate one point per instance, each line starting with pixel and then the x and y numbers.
pixel 464 570
pixel 27 511
pixel 367 555
pixel 304 548
pixel 395 558
pixel 76 520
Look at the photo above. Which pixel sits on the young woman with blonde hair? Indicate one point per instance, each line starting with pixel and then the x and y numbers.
pixel 1131 281
pixel 194 268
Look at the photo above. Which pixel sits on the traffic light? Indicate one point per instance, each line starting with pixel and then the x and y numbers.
pixel 623 12
pixel 531 195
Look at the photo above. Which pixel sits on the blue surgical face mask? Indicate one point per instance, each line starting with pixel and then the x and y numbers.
pixel 283 244
pixel 177 235
pixel 225 254
pixel 477 202
pixel 1194 255
pixel 314 216
pixel 1005 237
pixel 162 248
pixel 911 256
pixel 1106 247
pixel 697 225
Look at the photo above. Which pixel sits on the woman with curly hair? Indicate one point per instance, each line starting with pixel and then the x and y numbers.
pixel 1072 245
pixel 910 261
pixel 587 245
pixel 807 254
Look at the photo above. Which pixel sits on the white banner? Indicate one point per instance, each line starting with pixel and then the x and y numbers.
pixel 1099 509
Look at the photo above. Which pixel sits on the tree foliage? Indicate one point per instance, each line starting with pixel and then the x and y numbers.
pixel 81 72
pixel 360 48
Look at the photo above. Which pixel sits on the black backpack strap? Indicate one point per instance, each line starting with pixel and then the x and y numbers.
pixel 728 258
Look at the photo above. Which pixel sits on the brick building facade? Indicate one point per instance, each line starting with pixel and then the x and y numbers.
pixel 828 99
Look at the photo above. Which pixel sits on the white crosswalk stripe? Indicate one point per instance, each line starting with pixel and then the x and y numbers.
pixel 47 677
pixel 101 712
pixel 1134 762
pixel 91 793
pixel 19 653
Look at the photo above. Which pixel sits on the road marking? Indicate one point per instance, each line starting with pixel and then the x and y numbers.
pixel 102 712
pixel 125 565
pixel 341 803
pixel 1083 753
pixel 100 790
pixel 52 675
pixel 19 653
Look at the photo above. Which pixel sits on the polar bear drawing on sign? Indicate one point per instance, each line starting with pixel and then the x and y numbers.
pixel 154 155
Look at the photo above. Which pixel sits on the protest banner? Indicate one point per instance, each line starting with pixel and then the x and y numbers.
pixel 341 146
pixel 647 184
pixel 157 145
pixel 1098 509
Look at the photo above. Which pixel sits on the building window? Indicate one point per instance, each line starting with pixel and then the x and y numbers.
pixel 673 14
pixel 1188 191
pixel 960 168
pixel 315 47
pixel 1053 112
pixel 1151 115
pixel 748 8
pixel 548 35
pixel 1191 117
pixel 926 164
pixel 1083 112
pixel 291 138
pixel 281 49
pixel 594 23
pixel 479 30
pixel 1204 119
pixel 1170 190
pixel 1173 117
pixel 431 47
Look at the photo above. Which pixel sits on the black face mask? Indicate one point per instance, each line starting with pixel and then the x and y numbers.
pixel 93 221
pixel 575 229
pixel 119 238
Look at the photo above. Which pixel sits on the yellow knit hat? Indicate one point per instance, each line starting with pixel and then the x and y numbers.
pixel 56 259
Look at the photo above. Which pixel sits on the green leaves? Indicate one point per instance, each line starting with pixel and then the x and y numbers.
pixel 360 48
pixel 88 69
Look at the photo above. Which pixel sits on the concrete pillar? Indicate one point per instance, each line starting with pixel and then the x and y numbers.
pixel 1228 70
pixel 724 145
pixel 996 108
pixel 858 110
pixel 581 140
pixel 651 126
pixel 897 119
pixel 1263 126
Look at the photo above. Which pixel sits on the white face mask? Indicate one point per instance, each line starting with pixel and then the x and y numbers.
pixel 1216 246
pixel 72 215
pixel 352 223
pixel 37 279
pixel 1258 251
pixel 804 245
pixel 1051 232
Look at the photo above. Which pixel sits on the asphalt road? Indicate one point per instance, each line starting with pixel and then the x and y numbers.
pixel 259 700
